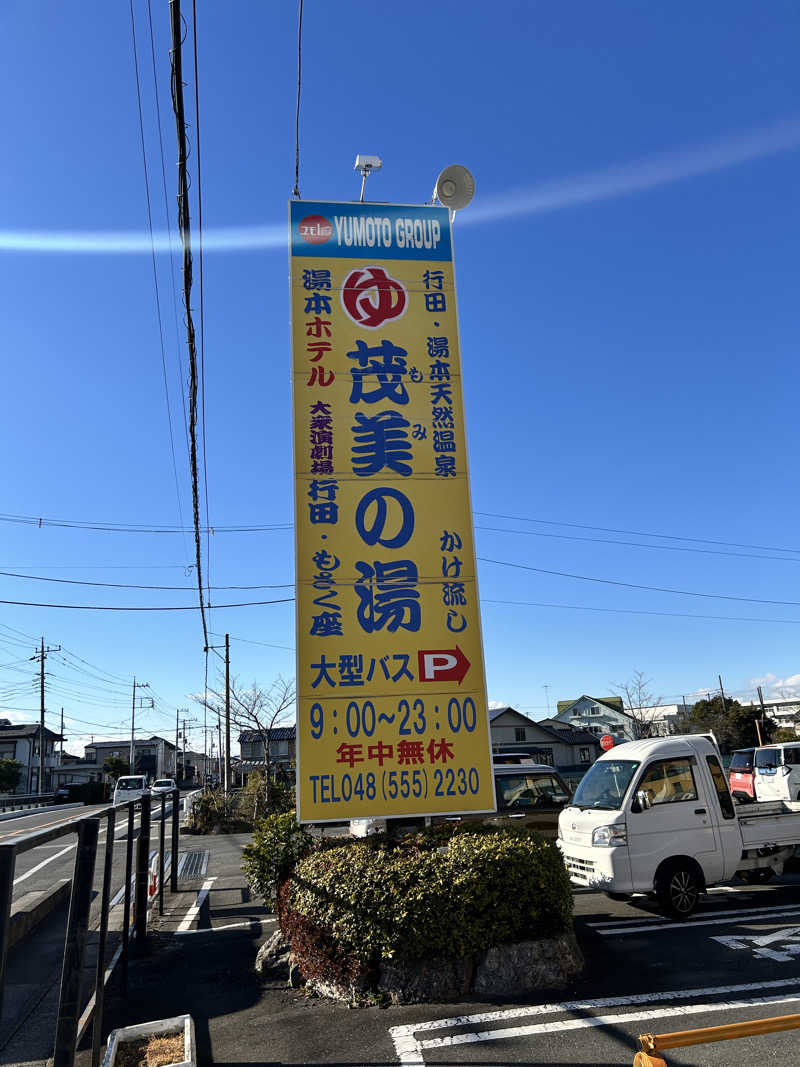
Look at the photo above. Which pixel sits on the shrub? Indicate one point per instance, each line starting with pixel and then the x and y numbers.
pixel 278 843
pixel 433 894
pixel 214 810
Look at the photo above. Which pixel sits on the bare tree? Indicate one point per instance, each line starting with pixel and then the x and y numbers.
pixel 636 696
pixel 256 710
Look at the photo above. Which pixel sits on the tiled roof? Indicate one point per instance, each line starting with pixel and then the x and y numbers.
pixel 277 733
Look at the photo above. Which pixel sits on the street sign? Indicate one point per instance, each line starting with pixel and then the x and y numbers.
pixel 392 710
pixel 606 742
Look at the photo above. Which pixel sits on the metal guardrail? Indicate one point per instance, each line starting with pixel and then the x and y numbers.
pixel 653 1044
pixel 25 800
pixel 87 827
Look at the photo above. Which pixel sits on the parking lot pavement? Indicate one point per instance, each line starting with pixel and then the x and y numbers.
pixel 737 958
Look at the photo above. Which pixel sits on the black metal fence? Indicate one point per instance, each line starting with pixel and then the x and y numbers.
pixel 137 884
pixel 20 801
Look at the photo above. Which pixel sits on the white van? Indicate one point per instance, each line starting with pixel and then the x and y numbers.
pixel 130 787
pixel 777 771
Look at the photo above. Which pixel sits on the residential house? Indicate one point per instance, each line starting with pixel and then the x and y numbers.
pixel 598 715
pixel 153 756
pixel 571 751
pixel 20 742
pixel 663 720
pixel 786 713
pixel 282 747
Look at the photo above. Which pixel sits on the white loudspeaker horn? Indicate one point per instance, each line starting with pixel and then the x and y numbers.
pixel 455 187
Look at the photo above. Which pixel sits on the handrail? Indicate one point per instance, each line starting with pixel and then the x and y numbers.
pixel 652 1044
pixel 87 827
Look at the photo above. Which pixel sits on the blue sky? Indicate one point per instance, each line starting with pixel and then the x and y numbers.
pixel 627 291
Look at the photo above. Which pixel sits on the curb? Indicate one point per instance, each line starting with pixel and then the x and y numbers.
pixel 34 907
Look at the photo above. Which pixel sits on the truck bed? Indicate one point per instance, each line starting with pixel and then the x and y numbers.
pixel 770 822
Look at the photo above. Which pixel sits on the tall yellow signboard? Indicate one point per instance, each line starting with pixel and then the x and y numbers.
pixel 391 697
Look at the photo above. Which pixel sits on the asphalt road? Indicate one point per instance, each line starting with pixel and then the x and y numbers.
pixel 41 867
pixel 737 958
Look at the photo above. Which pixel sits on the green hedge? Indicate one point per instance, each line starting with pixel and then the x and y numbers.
pixel 278 843
pixel 430 895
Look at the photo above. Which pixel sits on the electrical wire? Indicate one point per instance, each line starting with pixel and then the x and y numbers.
pixel 202 298
pixel 184 230
pixel 639 544
pixel 632 585
pixel 137 528
pixel 173 273
pixel 636 611
pixel 635 533
pixel 127 585
pixel 153 257
pixel 109 607
pixel 296 190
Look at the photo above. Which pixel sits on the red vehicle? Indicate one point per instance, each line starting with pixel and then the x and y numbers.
pixel 741 775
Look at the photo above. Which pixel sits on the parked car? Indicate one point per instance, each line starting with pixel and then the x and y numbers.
pixel 741 775
pixel 62 795
pixel 662 821
pixel 528 794
pixel 777 771
pixel 162 785
pixel 130 787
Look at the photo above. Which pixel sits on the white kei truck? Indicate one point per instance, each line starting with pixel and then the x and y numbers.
pixel 656 816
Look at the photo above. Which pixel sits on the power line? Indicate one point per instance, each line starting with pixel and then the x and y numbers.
pixel 637 611
pixel 636 533
pixel 640 544
pixel 173 274
pixel 153 257
pixel 632 585
pixel 140 528
pixel 296 190
pixel 127 585
pixel 185 233
pixel 202 293
pixel 108 607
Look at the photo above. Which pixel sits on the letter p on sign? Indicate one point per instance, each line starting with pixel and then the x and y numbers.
pixel 442 665
pixel 437 663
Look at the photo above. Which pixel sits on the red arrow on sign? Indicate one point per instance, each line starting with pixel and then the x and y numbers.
pixel 442 665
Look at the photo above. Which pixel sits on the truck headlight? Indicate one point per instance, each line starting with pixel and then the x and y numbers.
pixel 608 836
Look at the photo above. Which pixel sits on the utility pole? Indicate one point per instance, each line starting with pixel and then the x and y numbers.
pixel 177 728
pixel 184 748
pixel 227 780
pixel 41 655
pixel 61 757
pixel 132 754
pixel 547 698
pixel 219 734
pixel 722 694
pixel 758 727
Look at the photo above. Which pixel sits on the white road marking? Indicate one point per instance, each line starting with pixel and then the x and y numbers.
pixel 38 867
pixel 746 917
pixel 191 914
pixel 228 926
pixel 660 920
pixel 409 1048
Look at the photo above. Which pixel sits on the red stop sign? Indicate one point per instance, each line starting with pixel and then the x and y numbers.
pixel 606 742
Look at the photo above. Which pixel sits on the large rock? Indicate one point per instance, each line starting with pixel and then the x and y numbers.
pixel 527 966
pixel 419 981
pixel 273 957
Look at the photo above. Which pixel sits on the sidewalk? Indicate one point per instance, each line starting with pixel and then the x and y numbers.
pixel 200 961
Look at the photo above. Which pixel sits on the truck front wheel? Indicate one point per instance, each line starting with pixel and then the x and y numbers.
pixel 677 889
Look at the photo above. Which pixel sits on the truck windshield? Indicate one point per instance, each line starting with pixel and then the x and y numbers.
pixel 130 783
pixel 605 784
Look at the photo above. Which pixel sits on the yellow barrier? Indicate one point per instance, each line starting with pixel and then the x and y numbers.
pixel 652 1044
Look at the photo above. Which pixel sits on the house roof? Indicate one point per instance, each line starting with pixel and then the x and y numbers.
pixel 570 735
pixel 125 742
pixel 614 703
pixel 25 729
pixel 494 713
pixel 277 733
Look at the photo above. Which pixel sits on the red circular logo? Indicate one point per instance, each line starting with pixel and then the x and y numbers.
pixel 371 297
pixel 315 229
pixel 606 742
